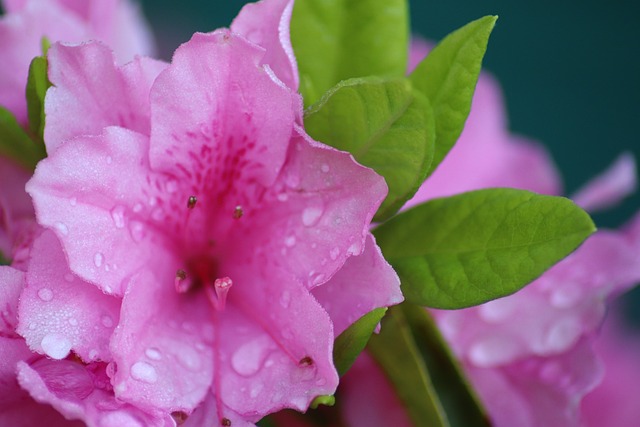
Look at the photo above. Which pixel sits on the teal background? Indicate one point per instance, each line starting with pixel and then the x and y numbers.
pixel 570 72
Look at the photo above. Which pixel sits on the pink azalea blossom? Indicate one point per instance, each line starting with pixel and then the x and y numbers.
pixel 214 250
pixel 26 22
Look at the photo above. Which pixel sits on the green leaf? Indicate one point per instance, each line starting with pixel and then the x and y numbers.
pixel 396 351
pixel 325 400
pixel 460 402
pixel 352 340
pixel 16 144
pixel 385 125
pixel 467 249
pixel 336 40
pixel 448 77
pixel 37 85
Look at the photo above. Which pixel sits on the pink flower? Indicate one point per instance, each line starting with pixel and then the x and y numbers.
pixel 26 22
pixel 224 246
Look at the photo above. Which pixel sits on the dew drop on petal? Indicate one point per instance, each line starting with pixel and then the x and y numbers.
pixel 137 208
pixel 137 231
pixel 143 371
pixel 153 353
pixel 249 357
pixel 311 215
pixel 285 299
pixel 282 197
pixel 73 321
pixel 117 214
pixel 62 228
pixel 172 186
pixel 189 359
pixel 45 294
pixel 334 253
pixel 56 346
pixel 290 241
pixel 106 321
pixel 98 258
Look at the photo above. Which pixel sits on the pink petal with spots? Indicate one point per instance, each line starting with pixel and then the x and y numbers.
pixel 266 23
pixel 59 312
pixel 231 131
pixel 317 214
pixel 100 214
pixel 80 392
pixel 486 155
pixel 609 188
pixel 275 344
pixel 163 344
pixel 364 283
pixel 108 95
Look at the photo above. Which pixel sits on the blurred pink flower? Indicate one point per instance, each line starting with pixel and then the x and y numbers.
pixel 529 355
pixel 25 23
pixel 214 250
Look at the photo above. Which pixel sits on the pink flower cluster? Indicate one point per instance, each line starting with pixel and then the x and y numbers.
pixel 195 252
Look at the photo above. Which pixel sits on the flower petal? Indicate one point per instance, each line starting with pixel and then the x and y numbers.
pixel 275 345
pixel 266 23
pixel 318 213
pixel 607 189
pixel 11 284
pixel 90 92
pixel 364 283
pixel 98 212
pixel 163 344
pixel 59 312
pixel 208 411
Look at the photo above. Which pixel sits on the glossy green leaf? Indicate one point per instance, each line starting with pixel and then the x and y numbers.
pixel 458 399
pixel 352 340
pixel 396 351
pixel 467 249
pixel 16 144
pixel 37 85
pixel 385 125
pixel 336 40
pixel 448 77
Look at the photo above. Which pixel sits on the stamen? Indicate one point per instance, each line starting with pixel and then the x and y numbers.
pixel 179 417
pixel 238 212
pixel 192 202
pixel 181 283
pixel 225 422
pixel 217 293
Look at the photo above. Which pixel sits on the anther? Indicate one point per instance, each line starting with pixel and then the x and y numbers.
pixel 238 212
pixel 306 361
pixel 181 283
pixel 225 422
pixel 179 417
pixel 192 202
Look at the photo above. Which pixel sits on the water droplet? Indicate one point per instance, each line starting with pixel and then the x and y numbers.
pixel 93 354
pixel 143 371
pixel 32 326
pixel 282 197
pixel 492 351
pixel 290 241
pixel 566 296
pixel 189 358
pixel 355 248
pixel 117 214
pixel 285 299
pixel 153 201
pixel 73 201
pixel 119 418
pixel 62 228
pixel 137 208
pixel 56 346
pixel 45 294
pixel 324 168
pixel 137 231
pixel 98 258
pixel 157 214
pixel 334 253
pixel 256 388
pixel 311 215
pixel 249 357
pixel 106 321
pixel 73 321
pixel 153 353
